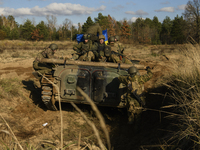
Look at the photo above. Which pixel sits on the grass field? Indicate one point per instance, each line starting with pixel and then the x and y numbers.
pixel 170 121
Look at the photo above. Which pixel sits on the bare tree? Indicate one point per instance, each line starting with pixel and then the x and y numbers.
pixel 51 24
pixel 192 15
pixel 67 23
pixel 51 21
pixel 79 28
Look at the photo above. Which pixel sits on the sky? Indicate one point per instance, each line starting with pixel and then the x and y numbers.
pixel 79 10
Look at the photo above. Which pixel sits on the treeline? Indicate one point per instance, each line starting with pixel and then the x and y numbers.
pixel 142 31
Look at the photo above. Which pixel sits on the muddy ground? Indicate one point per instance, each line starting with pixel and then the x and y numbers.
pixel 25 113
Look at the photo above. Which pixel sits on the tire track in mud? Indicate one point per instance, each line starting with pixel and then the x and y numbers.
pixel 13 72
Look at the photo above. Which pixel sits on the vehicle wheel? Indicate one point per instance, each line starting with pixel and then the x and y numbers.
pixel 48 97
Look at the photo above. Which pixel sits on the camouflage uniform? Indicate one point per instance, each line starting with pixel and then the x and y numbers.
pixel 93 31
pixel 119 46
pixel 43 67
pixel 116 57
pixel 136 83
pixel 100 50
pixel 84 50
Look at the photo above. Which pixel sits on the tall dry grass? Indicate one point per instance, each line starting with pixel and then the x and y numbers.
pixel 184 91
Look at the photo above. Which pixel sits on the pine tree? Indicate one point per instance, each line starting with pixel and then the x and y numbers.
pixel 26 30
pixel 125 31
pixel 43 30
pixel 157 26
pixel 87 24
pixel 166 30
pixel 178 30
pixel 35 35
pixel 111 30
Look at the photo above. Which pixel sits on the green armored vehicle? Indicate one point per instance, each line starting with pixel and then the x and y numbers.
pixel 97 79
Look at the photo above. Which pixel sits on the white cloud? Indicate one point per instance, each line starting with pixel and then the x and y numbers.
pixel 51 9
pixel 166 9
pixel 181 7
pixel 138 12
pixel 133 19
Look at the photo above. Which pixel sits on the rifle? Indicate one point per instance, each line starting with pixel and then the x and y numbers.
pixel 121 55
pixel 134 92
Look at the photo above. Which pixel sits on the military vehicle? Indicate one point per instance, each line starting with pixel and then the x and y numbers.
pixel 98 80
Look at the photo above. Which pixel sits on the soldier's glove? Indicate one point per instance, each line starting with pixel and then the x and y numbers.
pixel 147 68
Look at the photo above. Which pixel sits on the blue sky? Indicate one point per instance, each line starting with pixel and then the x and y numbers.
pixel 79 10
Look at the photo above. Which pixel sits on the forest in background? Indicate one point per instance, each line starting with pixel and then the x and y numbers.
pixel 142 31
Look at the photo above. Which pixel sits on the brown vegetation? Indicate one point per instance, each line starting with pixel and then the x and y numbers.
pixel 171 119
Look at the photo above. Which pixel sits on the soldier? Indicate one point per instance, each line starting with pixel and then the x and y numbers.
pixel 135 87
pixel 100 48
pixel 94 30
pixel 84 50
pixel 120 47
pixel 105 55
pixel 43 67
pixel 117 57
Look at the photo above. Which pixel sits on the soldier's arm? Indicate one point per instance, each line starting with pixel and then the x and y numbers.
pixel 78 46
pixel 50 54
pixel 120 48
pixel 94 49
pixel 123 79
pixel 146 77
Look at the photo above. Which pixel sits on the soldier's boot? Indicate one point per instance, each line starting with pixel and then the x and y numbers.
pixel 131 112
pixel 36 83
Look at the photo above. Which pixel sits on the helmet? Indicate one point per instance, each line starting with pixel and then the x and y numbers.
pixel 101 37
pixel 86 36
pixel 132 70
pixel 107 51
pixel 117 37
pixel 111 39
pixel 53 46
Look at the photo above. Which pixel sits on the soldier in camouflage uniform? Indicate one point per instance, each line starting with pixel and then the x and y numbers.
pixel 85 50
pixel 100 49
pixel 105 55
pixel 93 31
pixel 44 67
pixel 135 87
pixel 120 47
pixel 119 57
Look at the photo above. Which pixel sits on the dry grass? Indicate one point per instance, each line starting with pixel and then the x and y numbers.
pixel 184 86
pixel 9 88
pixel 184 89
pixel 14 50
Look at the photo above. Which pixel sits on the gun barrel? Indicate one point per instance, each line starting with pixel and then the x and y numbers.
pixel 85 63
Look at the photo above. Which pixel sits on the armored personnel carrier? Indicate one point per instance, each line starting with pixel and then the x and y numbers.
pixel 97 79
